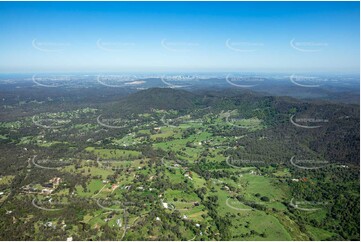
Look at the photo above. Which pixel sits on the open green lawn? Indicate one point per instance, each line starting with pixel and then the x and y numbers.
pixel 92 188
pixel 259 184
pixel 266 227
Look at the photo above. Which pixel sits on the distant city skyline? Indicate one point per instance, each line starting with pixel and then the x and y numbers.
pixel 179 37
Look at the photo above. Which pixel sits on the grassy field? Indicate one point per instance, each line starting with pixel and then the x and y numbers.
pixel 127 140
pixel 318 234
pixel 5 180
pixel 93 187
pixel 258 184
pixel 114 153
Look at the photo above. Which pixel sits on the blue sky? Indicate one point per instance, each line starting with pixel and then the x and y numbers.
pixel 179 36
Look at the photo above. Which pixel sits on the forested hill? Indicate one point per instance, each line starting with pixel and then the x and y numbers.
pixel 160 98
pixel 336 135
